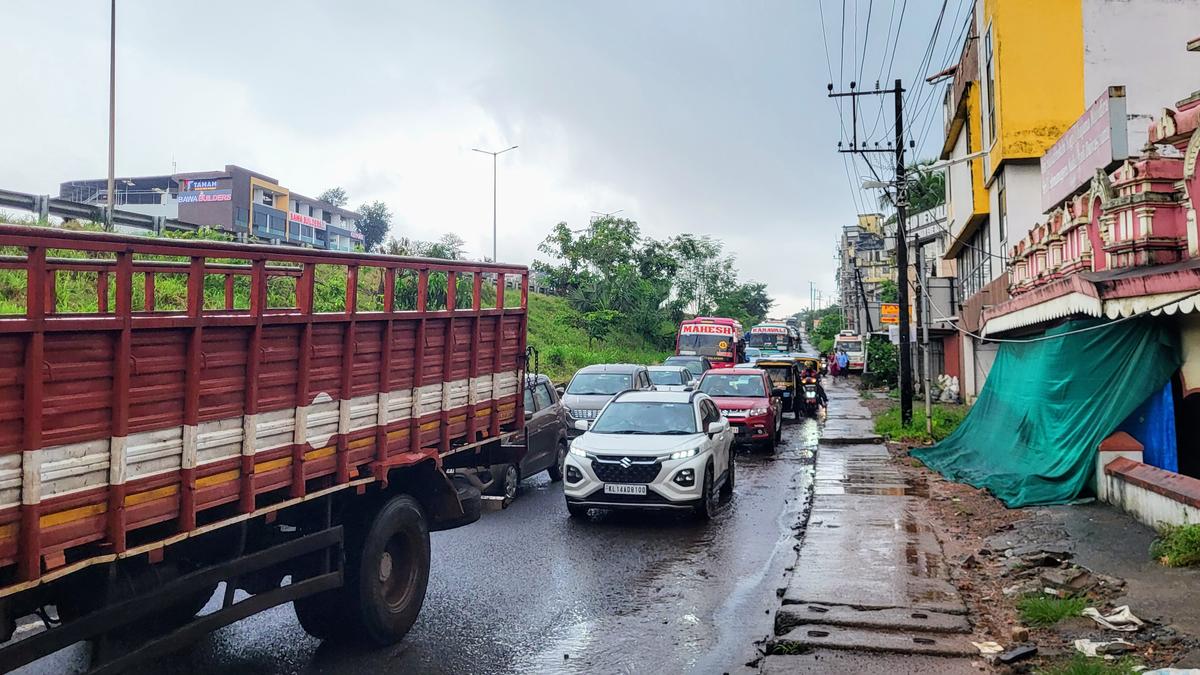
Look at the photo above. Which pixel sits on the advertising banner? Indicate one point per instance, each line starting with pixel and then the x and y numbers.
pixel 315 223
pixel 705 329
pixel 194 197
pixel 1097 140
pixel 889 313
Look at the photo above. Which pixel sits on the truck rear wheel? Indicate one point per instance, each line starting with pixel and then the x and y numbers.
pixel 393 572
pixel 386 573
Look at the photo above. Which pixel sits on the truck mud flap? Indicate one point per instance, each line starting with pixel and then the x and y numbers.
pixel 123 613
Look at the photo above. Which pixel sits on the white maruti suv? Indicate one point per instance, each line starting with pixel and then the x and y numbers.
pixel 651 450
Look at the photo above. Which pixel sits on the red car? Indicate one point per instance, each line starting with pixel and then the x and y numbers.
pixel 746 398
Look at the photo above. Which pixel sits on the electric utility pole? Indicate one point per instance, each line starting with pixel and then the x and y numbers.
pixel 901 187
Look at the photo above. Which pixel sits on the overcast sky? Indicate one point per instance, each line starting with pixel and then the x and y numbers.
pixel 691 116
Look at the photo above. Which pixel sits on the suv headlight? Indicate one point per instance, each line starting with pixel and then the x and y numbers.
pixel 684 454
pixel 577 451
pixel 756 412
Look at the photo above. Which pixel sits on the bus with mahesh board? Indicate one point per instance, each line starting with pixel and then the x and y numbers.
pixel 717 338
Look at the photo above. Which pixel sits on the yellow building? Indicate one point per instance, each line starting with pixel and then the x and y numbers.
pixel 1028 70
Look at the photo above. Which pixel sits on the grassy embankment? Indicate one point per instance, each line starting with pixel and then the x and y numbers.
pixel 562 345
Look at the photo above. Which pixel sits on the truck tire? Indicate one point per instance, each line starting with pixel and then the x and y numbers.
pixel 388 583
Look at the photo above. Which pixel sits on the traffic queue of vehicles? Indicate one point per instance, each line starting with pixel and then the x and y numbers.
pixel 669 445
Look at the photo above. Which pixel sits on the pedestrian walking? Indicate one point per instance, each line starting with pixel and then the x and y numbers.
pixel 843 362
pixel 831 360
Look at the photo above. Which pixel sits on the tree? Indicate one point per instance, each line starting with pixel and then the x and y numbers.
pixel 599 324
pixel 336 196
pixel 926 188
pixel 374 220
pixel 888 291
pixel 449 246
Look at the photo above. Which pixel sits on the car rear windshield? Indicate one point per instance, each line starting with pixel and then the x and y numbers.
pixel 781 375
pixel 733 385
pixel 667 377
pixel 607 384
pixel 646 417
pixel 693 364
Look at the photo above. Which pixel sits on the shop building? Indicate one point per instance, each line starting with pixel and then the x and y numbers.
pixel 236 200
pixel 1121 243
pixel 1027 70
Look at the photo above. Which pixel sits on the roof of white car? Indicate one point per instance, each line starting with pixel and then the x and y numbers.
pixel 666 368
pixel 656 396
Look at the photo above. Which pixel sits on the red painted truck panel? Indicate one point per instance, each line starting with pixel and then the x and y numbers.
pixel 188 397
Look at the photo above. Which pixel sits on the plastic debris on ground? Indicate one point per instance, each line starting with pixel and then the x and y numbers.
pixel 988 648
pixel 1102 647
pixel 1121 619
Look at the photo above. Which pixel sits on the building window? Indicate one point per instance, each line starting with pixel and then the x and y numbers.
pixel 1002 216
pixel 327 216
pixel 990 72
pixel 268 199
pixel 310 210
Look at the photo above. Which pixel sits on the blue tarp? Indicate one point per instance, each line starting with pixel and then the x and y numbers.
pixel 1153 424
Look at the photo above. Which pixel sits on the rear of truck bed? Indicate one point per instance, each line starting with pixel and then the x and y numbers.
pixel 171 409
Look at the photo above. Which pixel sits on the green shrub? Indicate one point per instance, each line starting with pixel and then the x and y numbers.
pixel 946 419
pixel 883 363
pixel 1045 610
pixel 1177 545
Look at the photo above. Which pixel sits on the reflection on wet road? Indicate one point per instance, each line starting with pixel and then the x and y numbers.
pixel 528 590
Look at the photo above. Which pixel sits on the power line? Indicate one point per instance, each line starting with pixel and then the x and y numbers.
pixel 866 36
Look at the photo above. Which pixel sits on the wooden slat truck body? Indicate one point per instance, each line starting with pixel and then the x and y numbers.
pixel 176 413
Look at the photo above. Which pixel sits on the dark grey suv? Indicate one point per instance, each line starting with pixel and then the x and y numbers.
pixel 593 387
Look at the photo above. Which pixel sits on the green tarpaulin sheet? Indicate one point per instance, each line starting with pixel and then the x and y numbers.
pixel 1031 437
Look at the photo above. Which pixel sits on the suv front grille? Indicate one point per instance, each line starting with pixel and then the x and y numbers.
pixel 584 413
pixel 610 470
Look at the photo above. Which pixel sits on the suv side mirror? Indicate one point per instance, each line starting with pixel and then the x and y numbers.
pixel 528 415
pixel 718 426
pixel 583 425
pixel 560 391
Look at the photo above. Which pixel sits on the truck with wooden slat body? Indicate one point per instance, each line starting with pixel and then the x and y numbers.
pixel 175 414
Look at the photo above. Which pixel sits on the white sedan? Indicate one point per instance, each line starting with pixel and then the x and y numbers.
pixel 651 450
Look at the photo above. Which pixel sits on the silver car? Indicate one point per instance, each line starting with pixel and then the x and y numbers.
pixel 593 386
pixel 671 378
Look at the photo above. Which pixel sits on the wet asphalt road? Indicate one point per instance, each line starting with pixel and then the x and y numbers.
pixel 526 589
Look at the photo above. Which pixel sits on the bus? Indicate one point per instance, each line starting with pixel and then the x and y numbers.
pixel 855 348
pixel 719 339
pixel 771 338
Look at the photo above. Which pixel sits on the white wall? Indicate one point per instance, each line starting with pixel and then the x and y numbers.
pixel 1148 507
pixel 1141 44
pixel 958 181
pixel 1023 187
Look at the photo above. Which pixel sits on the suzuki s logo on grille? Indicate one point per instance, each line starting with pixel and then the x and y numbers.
pixel 626 462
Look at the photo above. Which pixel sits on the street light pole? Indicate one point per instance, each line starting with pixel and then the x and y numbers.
pixel 112 108
pixel 494 155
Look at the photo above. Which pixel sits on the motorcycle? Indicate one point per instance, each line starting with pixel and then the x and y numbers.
pixel 808 403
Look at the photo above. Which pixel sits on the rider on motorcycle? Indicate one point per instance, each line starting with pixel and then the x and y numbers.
pixel 811 375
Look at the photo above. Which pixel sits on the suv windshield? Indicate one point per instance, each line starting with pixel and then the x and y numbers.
pixel 849 345
pixel 733 385
pixel 772 340
pixel 605 384
pixel 650 417
pixel 667 377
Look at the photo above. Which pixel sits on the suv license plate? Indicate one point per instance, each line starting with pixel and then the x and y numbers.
pixel 624 489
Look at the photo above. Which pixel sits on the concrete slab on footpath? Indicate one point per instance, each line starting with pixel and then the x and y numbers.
pixel 830 662
pixel 874 640
pixel 891 618
pixel 871 551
